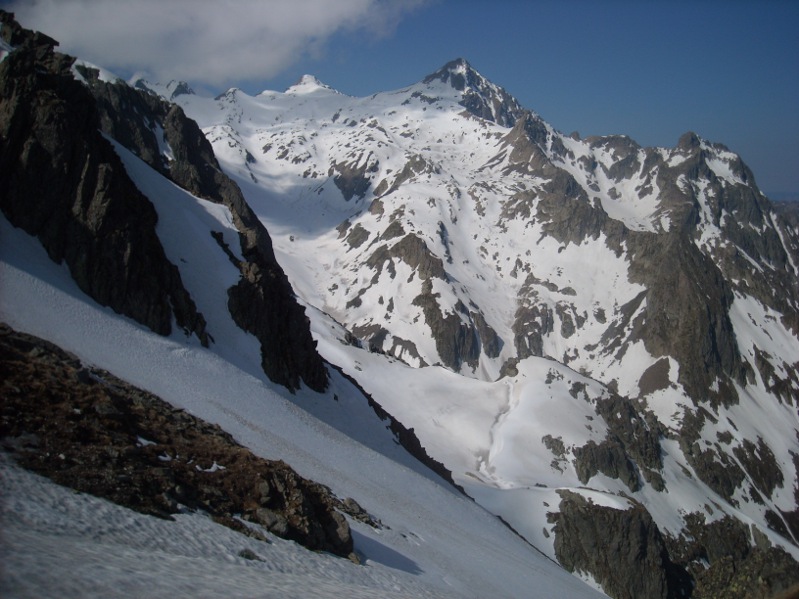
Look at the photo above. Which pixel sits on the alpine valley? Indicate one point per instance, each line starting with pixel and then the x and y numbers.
pixel 503 353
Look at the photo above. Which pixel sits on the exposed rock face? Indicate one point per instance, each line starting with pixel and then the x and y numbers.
pixel 61 181
pixel 262 302
pixel 121 443
pixel 697 329
pixel 88 212
pixel 728 559
pixel 622 549
pixel 723 558
pixel 262 305
pixel 353 178
pixel 610 459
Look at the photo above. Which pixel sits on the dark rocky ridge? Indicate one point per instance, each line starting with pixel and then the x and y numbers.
pixel 684 313
pixel 666 264
pixel 52 145
pixel 88 430
pixel 61 181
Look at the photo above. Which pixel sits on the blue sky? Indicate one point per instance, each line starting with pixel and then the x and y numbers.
pixel 650 69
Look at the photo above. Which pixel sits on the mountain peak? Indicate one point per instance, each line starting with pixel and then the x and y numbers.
pixel 178 88
pixel 689 141
pixel 308 84
pixel 458 73
pixel 478 95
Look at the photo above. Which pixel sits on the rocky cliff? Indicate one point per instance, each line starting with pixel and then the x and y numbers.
pixel 64 183
pixel 262 302
pixel 61 181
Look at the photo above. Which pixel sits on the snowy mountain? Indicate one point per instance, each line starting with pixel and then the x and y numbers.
pixel 564 312
pixel 431 543
pixel 598 341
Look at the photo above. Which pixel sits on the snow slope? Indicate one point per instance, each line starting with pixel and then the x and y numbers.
pixel 437 543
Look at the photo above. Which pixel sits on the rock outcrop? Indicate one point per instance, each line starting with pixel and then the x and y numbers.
pixel 61 181
pixel 626 553
pixel 262 302
pixel 622 549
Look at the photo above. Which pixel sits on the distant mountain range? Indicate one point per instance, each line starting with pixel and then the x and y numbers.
pixel 596 341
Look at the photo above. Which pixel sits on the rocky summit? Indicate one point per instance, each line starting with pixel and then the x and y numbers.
pixel 596 341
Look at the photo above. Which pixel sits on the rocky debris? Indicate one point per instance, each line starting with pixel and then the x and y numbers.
pixel 765 575
pixel 86 429
pixel 62 181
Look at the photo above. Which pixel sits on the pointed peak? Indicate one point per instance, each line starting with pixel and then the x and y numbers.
pixel 229 95
pixel 458 73
pixel 689 141
pixel 477 94
pixel 308 84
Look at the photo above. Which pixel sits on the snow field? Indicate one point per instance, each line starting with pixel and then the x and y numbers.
pixel 437 543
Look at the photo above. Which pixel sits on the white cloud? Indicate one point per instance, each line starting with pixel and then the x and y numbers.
pixel 211 42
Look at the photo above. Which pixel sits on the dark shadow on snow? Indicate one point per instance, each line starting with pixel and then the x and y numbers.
pixel 374 550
